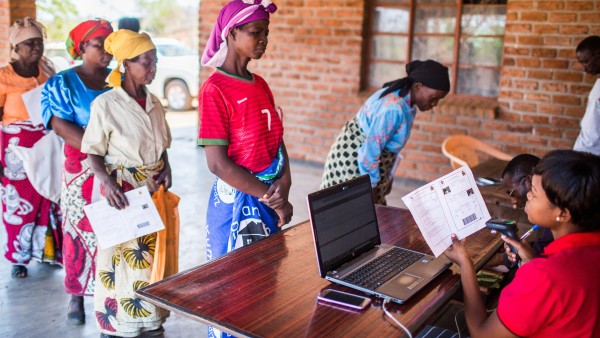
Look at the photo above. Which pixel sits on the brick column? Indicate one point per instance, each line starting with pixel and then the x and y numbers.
pixel 10 10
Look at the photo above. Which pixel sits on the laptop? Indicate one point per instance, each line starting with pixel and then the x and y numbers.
pixel 349 248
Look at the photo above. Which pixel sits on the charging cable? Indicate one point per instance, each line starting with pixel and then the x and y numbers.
pixel 456 321
pixel 387 300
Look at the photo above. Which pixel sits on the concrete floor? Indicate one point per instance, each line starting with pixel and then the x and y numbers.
pixel 36 306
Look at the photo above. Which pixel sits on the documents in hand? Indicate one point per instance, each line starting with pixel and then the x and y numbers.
pixel 113 226
pixel 451 204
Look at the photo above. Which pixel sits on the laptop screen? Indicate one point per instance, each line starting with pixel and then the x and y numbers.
pixel 344 222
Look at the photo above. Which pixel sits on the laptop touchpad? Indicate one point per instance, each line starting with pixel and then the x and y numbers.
pixel 408 281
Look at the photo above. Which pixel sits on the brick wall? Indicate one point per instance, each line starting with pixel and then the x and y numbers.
pixel 543 90
pixel 313 67
pixel 10 10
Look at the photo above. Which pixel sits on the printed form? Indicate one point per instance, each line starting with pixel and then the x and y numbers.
pixel 113 226
pixel 450 204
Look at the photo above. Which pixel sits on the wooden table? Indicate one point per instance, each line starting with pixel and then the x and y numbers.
pixel 270 288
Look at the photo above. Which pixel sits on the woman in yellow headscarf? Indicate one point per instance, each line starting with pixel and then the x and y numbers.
pixel 32 221
pixel 126 140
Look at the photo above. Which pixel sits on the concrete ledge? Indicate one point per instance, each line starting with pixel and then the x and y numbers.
pixel 468 106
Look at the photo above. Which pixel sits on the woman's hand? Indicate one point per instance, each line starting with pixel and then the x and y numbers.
pixel 277 195
pixel 113 193
pixel 165 177
pixel 524 250
pixel 457 252
pixel 285 214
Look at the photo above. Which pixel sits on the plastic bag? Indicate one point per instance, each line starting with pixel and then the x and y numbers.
pixel 166 253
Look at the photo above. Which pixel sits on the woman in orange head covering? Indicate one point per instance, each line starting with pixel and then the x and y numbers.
pixel 66 101
pixel 26 214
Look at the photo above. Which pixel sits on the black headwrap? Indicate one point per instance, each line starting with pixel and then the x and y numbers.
pixel 430 73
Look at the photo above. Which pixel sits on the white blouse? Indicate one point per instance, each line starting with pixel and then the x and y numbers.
pixel 123 132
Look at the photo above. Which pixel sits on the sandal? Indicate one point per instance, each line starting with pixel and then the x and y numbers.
pixel 156 332
pixel 18 271
pixel 104 335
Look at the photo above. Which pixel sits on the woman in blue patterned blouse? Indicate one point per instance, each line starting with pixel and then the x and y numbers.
pixel 371 142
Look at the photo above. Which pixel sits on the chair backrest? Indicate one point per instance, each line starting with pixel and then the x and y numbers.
pixel 463 150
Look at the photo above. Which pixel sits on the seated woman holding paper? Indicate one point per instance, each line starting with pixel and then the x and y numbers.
pixel 32 221
pixel 556 294
pixel 127 139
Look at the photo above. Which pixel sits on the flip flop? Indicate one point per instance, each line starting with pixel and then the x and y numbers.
pixel 155 333
pixel 18 271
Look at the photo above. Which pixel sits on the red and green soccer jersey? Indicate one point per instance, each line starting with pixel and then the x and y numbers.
pixel 240 113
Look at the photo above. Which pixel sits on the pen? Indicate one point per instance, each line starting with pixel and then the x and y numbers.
pixel 529 232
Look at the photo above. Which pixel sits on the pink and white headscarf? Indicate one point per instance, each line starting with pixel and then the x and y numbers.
pixel 234 14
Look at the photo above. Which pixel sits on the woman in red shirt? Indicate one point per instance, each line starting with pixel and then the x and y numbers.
pixel 557 293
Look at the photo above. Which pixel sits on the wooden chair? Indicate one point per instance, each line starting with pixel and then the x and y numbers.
pixel 463 150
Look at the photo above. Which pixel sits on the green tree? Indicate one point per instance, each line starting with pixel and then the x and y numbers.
pixel 159 14
pixel 59 17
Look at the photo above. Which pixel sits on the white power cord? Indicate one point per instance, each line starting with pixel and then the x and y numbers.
pixel 456 321
pixel 387 300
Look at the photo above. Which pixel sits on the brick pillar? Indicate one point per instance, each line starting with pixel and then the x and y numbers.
pixel 10 10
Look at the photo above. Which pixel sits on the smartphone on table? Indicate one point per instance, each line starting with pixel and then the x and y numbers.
pixel 344 299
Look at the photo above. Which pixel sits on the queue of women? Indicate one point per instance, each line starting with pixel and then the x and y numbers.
pixel 114 133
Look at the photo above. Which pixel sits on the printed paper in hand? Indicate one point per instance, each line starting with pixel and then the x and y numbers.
pixel 451 204
pixel 113 226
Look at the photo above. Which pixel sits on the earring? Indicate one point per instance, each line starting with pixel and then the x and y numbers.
pixel 558 218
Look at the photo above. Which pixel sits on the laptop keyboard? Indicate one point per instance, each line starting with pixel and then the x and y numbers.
pixel 380 270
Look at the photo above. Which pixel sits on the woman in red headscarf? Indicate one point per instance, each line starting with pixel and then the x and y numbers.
pixel 66 101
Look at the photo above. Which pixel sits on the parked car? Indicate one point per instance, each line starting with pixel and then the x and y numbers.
pixel 177 72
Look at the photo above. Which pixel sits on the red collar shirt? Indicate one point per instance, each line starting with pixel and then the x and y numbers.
pixel 557 294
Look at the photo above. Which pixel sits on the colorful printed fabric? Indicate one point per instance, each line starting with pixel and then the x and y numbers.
pixel 123 269
pixel 342 161
pixel 65 96
pixel 235 219
pixel 79 245
pixel 32 222
pixel 242 114
pixel 84 32
pixel 386 124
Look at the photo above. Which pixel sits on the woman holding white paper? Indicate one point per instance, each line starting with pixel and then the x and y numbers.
pixel 32 221
pixel 126 140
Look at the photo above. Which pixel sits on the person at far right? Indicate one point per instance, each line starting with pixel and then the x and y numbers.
pixel 588 54
pixel 370 143
pixel 556 294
